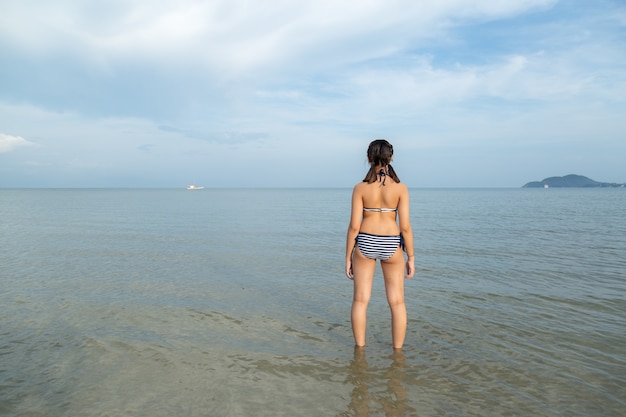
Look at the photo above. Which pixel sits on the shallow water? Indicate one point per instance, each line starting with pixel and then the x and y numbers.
pixel 234 303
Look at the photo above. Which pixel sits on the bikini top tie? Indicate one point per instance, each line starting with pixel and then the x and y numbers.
pixel 382 175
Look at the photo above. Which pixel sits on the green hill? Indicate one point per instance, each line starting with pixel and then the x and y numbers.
pixel 574 181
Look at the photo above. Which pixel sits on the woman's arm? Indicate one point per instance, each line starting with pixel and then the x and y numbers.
pixel 404 217
pixel 356 215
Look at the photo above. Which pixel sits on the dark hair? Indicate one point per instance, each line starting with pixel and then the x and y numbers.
pixel 379 154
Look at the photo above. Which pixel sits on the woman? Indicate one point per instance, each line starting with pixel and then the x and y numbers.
pixel 374 234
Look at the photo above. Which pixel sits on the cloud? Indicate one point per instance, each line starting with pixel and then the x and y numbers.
pixel 9 143
pixel 168 60
pixel 162 87
pixel 237 36
pixel 225 137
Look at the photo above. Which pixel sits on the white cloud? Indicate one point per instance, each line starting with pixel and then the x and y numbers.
pixel 10 143
pixel 142 85
pixel 237 35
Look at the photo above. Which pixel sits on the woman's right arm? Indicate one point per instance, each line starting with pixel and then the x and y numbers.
pixel 404 217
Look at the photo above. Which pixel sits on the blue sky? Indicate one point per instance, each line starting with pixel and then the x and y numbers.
pixel 232 93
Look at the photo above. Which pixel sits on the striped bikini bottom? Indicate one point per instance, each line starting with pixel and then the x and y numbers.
pixel 378 246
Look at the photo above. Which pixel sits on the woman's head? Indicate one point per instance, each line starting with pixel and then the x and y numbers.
pixel 380 153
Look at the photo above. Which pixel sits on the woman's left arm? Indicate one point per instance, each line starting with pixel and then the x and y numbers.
pixel 356 214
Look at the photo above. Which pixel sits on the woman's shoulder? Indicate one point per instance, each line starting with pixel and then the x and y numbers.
pixel 398 189
pixel 397 184
pixel 360 186
pixel 358 189
pixel 402 186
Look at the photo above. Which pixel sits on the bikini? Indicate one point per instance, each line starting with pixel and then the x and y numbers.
pixel 380 210
pixel 379 246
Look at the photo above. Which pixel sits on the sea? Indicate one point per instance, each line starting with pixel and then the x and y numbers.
pixel 234 302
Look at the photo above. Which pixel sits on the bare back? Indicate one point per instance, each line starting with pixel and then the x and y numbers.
pixel 374 195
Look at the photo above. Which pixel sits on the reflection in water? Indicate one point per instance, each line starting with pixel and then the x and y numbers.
pixel 378 392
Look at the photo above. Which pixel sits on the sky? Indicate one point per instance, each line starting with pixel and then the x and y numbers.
pixel 278 93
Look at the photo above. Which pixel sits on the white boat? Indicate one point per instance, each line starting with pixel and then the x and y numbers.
pixel 194 187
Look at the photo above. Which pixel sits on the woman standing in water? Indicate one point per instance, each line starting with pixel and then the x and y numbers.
pixel 379 229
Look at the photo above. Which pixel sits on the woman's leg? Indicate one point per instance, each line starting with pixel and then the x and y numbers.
pixel 393 272
pixel 363 271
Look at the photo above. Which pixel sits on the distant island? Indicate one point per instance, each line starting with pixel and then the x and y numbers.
pixel 573 181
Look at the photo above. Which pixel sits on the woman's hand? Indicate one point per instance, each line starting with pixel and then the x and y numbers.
pixel 410 268
pixel 349 273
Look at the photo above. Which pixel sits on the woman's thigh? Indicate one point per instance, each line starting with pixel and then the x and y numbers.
pixel 393 272
pixel 363 270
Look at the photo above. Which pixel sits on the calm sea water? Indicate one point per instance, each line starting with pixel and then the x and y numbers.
pixel 233 303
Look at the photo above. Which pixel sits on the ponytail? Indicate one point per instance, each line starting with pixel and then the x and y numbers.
pixel 379 154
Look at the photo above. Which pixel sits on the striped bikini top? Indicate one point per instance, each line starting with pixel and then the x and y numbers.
pixel 380 210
